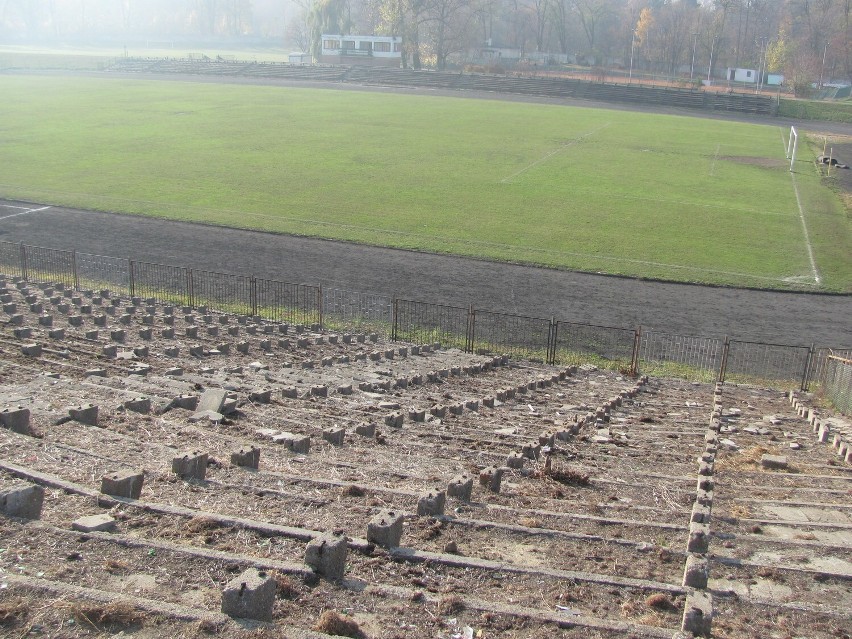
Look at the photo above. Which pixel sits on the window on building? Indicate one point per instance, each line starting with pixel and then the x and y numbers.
pixel 365 45
pixel 384 47
pixel 331 44
pixel 748 74
pixel 349 44
pixel 397 47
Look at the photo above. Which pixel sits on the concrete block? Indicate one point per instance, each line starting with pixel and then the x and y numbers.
pixel 439 411
pixel 246 457
pixel 367 429
pixel 696 572
pixel 24 332
pixel 490 478
pixel 515 460
pixel 289 392
pixel 261 395
pixel 212 399
pixel 319 390
pixel 326 555
pixel 46 320
pixel 138 405
pixel 16 419
pixel 699 538
pixel 416 415
pixel 21 499
pixel 460 487
pixel 774 462
pixel 700 513
pixel 385 529
pixel 125 483
pixel 85 414
pixel 394 420
pixel 531 450
pixel 95 372
pixel 31 350
pixel 345 389
pixel 251 595
pixel 300 444
pixel 94 523
pixel 334 436
pixel 698 613
pixel 432 503
pixel 190 465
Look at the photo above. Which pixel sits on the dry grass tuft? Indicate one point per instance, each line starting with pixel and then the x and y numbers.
pixel 13 610
pixel 353 491
pixel 333 623
pixel 567 477
pixel 450 604
pixel 116 613
pixel 287 588
pixel 116 567
pixel 200 524
pixel 659 601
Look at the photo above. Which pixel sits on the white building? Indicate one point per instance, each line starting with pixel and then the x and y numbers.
pixel 361 49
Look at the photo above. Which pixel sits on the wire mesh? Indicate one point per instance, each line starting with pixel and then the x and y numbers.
pixel 586 343
pixel 223 292
pixel 166 283
pixel 10 258
pixel 756 362
pixel 695 358
pixel 285 302
pixel 837 382
pixel 344 309
pixel 103 272
pixel 516 335
pixel 423 323
pixel 49 265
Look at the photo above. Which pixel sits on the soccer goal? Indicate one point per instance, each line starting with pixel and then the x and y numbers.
pixel 792 145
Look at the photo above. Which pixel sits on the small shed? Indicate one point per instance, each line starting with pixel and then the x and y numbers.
pixel 742 75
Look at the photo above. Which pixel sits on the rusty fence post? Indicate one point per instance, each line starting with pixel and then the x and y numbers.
pixel 723 365
pixel 634 358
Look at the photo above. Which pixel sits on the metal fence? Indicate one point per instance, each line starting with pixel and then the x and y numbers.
pixel 697 358
pixel 550 341
pixel 836 382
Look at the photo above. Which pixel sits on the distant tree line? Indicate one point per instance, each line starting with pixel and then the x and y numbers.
pixel 806 40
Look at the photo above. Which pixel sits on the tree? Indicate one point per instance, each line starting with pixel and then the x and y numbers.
pixel 328 16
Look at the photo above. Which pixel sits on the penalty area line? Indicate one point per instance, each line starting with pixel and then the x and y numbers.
pixel 25 212
pixel 546 157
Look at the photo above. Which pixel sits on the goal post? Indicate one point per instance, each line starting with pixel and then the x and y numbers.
pixel 792 145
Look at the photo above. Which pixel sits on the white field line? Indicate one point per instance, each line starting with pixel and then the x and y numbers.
pixel 715 157
pixel 814 270
pixel 25 212
pixel 552 153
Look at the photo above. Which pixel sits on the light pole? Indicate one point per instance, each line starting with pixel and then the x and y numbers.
pixel 692 68
pixel 710 66
pixel 822 68
pixel 632 47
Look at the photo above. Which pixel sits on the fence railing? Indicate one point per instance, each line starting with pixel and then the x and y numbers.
pixel 551 341
pixel 836 380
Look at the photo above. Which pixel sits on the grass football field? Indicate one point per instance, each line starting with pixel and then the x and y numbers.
pixel 679 198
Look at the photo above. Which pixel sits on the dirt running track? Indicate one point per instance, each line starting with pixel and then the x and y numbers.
pixel 776 317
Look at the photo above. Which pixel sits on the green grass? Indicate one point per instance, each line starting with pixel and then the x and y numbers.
pixel 829 111
pixel 645 195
